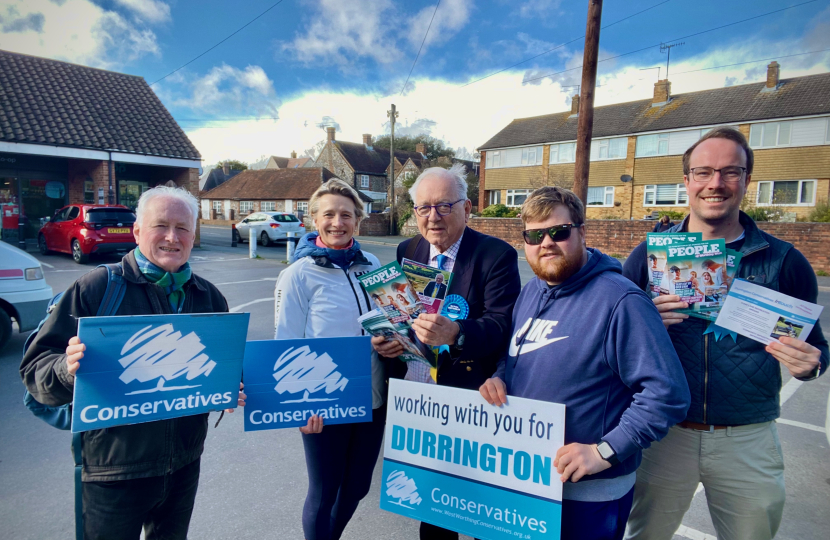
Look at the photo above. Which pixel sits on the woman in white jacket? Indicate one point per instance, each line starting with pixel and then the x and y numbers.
pixel 319 296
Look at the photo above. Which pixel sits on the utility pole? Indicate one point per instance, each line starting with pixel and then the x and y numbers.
pixel 392 114
pixel 585 126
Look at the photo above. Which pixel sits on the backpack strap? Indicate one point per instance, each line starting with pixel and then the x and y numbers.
pixel 116 288
pixel 413 245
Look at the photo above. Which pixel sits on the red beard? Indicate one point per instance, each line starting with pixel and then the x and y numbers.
pixel 556 270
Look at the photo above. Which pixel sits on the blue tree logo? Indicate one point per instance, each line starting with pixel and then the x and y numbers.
pixel 399 486
pixel 301 370
pixel 163 353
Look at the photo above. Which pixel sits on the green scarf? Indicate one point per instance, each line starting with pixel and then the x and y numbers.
pixel 172 283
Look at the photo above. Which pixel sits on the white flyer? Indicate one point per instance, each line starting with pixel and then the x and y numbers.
pixel 765 315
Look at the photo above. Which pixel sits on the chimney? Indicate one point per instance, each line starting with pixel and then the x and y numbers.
pixel 575 104
pixel 330 133
pixel 367 139
pixel 293 155
pixel 421 148
pixel 662 92
pixel 226 168
pixel 772 74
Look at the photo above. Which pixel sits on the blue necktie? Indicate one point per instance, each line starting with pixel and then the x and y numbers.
pixel 441 260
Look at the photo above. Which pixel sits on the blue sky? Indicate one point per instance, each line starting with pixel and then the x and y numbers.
pixel 312 63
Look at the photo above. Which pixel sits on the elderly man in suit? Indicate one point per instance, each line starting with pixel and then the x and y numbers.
pixel 485 273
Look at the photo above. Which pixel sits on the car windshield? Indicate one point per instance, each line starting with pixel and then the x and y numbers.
pixel 110 215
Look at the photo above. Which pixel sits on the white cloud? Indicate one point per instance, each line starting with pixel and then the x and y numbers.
pixel 226 91
pixel 451 17
pixel 73 30
pixel 538 9
pixel 151 11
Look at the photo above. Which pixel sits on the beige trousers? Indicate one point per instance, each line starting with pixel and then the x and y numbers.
pixel 741 469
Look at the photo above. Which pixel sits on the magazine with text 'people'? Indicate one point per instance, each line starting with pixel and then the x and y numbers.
pixel 697 274
pixel 733 259
pixel 391 291
pixel 430 284
pixel 656 246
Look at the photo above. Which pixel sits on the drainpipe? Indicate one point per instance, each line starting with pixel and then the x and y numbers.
pixel 111 196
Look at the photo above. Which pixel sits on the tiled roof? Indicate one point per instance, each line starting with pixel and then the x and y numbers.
pixel 56 103
pixel 799 96
pixel 215 178
pixel 268 184
pixel 374 159
pixel 289 163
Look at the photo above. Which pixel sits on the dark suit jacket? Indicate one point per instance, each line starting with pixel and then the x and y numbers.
pixel 430 288
pixel 486 274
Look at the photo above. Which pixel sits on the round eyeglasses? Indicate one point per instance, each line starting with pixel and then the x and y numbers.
pixel 727 174
pixel 443 209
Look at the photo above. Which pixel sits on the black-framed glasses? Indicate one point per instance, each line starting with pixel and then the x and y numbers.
pixel 727 174
pixel 443 209
pixel 557 233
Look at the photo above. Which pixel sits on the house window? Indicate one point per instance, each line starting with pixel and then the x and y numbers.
pixel 514 157
pixel 770 135
pixel 245 207
pixel 665 195
pixel 364 181
pixel 493 159
pixel 532 156
pixel 601 196
pixel 563 153
pixel 302 206
pixel 267 206
pixel 217 205
pixel 653 145
pixel 516 197
pixel 495 197
pixel 89 192
pixel 609 149
pixel 787 193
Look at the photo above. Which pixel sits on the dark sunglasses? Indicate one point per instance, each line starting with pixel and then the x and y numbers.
pixel 557 233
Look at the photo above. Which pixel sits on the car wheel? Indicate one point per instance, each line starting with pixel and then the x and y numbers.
pixel 5 328
pixel 77 255
pixel 236 237
pixel 41 244
pixel 264 240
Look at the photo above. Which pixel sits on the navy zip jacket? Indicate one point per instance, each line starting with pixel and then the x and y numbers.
pixel 596 344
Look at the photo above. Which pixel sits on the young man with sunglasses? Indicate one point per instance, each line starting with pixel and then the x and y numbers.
pixel 728 441
pixel 585 336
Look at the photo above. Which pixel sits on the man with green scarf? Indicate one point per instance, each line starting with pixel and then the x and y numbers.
pixel 142 475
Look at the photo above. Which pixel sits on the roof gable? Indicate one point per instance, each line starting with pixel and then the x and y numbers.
pixel 373 159
pixel 268 184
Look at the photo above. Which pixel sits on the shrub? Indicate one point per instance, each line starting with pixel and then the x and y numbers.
pixel 499 210
pixel 674 215
pixel 820 214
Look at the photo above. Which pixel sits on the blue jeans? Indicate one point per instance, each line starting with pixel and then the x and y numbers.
pixel 596 520
pixel 161 504
pixel 340 462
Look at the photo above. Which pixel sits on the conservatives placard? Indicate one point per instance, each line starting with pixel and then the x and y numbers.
pixel 453 460
pixel 288 381
pixel 152 367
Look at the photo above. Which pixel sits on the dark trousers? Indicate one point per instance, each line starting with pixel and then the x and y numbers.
pixel 433 532
pixel 161 504
pixel 340 462
pixel 596 520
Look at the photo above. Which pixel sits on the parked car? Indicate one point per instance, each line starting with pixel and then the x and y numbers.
pixel 85 229
pixel 24 293
pixel 269 227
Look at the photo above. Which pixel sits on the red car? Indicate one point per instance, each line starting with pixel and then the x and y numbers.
pixel 84 229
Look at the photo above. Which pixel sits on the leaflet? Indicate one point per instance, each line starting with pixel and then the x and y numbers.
pixel 376 323
pixel 765 315
pixel 431 284
pixel 656 246
pixel 697 274
pixel 733 259
pixel 391 292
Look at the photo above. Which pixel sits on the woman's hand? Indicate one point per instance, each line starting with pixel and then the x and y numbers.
pixel 314 425
pixel 242 397
pixel 74 352
pixel 387 348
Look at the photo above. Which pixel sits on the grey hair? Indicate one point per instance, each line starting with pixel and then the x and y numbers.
pixel 456 174
pixel 177 193
pixel 336 186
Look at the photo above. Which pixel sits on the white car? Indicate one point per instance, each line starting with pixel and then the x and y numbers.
pixel 269 227
pixel 24 293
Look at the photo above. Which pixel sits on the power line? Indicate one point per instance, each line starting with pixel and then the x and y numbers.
pixel 422 46
pixel 564 44
pixel 677 39
pixel 226 119
pixel 752 61
pixel 221 42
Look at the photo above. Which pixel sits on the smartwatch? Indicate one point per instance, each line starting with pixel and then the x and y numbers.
pixel 607 453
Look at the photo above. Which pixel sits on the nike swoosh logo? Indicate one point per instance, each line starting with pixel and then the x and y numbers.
pixel 530 347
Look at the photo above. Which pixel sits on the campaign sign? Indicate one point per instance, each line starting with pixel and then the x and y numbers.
pixel 453 460
pixel 288 381
pixel 153 367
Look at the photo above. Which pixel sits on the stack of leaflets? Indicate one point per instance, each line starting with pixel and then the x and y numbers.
pixel 376 323
pixel 431 284
pixel 657 245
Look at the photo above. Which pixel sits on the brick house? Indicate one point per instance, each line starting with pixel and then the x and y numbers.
pixel 216 176
pixel 366 167
pixel 636 152
pixel 265 190
pixel 71 134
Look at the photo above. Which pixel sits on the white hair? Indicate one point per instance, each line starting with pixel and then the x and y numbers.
pixel 456 174
pixel 179 194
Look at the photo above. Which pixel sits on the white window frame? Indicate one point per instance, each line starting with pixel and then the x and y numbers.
pixel 302 206
pixel 364 181
pixel 605 144
pixel 769 202
pixel 246 207
pixel 526 156
pixel 511 195
pixel 662 138
pixel 267 206
pixel 763 129
pixel 607 191
pixel 652 189
pixel 556 152
pixel 494 197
